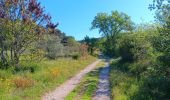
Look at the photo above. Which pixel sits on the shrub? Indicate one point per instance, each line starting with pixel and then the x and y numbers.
pixel 135 46
pixel 55 72
pixel 76 56
pixel 84 50
pixel 5 74
pixel 27 67
pixel 152 88
pixel 124 49
pixel 54 49
pixel 22 82
pixel 138 50
pixel 121 82
pixel 52 46
pixel 33 54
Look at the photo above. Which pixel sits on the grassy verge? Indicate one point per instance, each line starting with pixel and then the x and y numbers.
pixel 127 86
pixel 123 85
pixel 38 78
pixel 88 86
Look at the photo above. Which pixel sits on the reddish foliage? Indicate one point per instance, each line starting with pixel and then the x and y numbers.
pixel 84 50
pixel 23 83
pixel 25 10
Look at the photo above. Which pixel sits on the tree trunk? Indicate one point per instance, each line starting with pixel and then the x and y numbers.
pixel 4 61
pixel 12 56
pixel 16 60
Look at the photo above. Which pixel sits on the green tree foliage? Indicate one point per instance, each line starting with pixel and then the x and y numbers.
pixel 71 46
pixel 54 48
pixel 110 26
pixel 22 22
pixel 59 45
pixel 92 44
pixel 137 48
pixel 162 42
pixel 146 55
pixel 141 59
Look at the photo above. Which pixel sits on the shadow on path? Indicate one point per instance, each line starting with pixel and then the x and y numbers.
pixel 103 92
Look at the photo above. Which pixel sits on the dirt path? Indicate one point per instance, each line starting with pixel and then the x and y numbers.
pixel 103 91
pixel 62 91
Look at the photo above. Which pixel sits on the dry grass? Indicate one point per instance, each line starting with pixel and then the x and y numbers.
pixel 47 75
pixel 22 82
pixel 55 72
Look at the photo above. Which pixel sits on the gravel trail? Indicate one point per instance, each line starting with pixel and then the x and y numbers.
pixel 63 90
pixel 103 92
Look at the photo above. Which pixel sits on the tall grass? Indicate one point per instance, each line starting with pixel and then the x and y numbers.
pixel 35 79
pixel 87 87
pixel 127 86
pixel 123 85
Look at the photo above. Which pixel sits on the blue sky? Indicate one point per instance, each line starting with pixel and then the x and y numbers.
pixel 75 16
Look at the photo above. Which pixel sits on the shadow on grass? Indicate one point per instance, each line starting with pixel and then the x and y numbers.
pixel 131 87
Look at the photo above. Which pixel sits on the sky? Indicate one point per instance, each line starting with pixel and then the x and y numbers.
pixel 75 16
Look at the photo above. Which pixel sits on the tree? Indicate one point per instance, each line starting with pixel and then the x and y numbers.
pixel 158 4
pixel 22 22
pixel 92 44
pixel 71 46
pixel 54 48
pixel 111 25
pixel 163 41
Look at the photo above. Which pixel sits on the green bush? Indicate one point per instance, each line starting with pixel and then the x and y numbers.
pixel 138 50
pixel 162 45
pixel 52 46
pixel 26 67
pixel 76 56
pixel 125 86
pixel 152 88
pixel 56 47
pixel 135 46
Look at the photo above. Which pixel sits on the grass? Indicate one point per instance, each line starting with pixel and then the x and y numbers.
pixel 87 87
pixel 128 86
pixel 123 85
pixel 35 79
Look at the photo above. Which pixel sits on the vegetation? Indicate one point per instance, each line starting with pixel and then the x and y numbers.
pixel 92 44
pixel 21 23
pixel 46 76
pixel 110 26
pixel 35 57
pixel 141 71
pixel 88 86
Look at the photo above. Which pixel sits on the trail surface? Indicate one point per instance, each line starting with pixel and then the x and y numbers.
pixel 103 91
pixel 63 90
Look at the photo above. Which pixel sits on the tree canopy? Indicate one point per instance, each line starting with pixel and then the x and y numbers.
pixel 111 25
pixel 21 23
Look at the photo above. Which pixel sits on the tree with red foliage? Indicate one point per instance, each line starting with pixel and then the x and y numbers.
pixel 22 22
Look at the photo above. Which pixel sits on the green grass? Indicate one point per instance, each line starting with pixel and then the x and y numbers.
pixel 128 86
pixel 123 85
pixel 88 85
pixel 46 75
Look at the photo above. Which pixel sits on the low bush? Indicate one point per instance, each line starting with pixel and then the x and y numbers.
pixel 55 72
pixel 134 46
pixel 123 86
pixel 47 75
pixel 76 56
pixel 27 67
pixel 128 83
pixel 152 88
pixel 22 82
